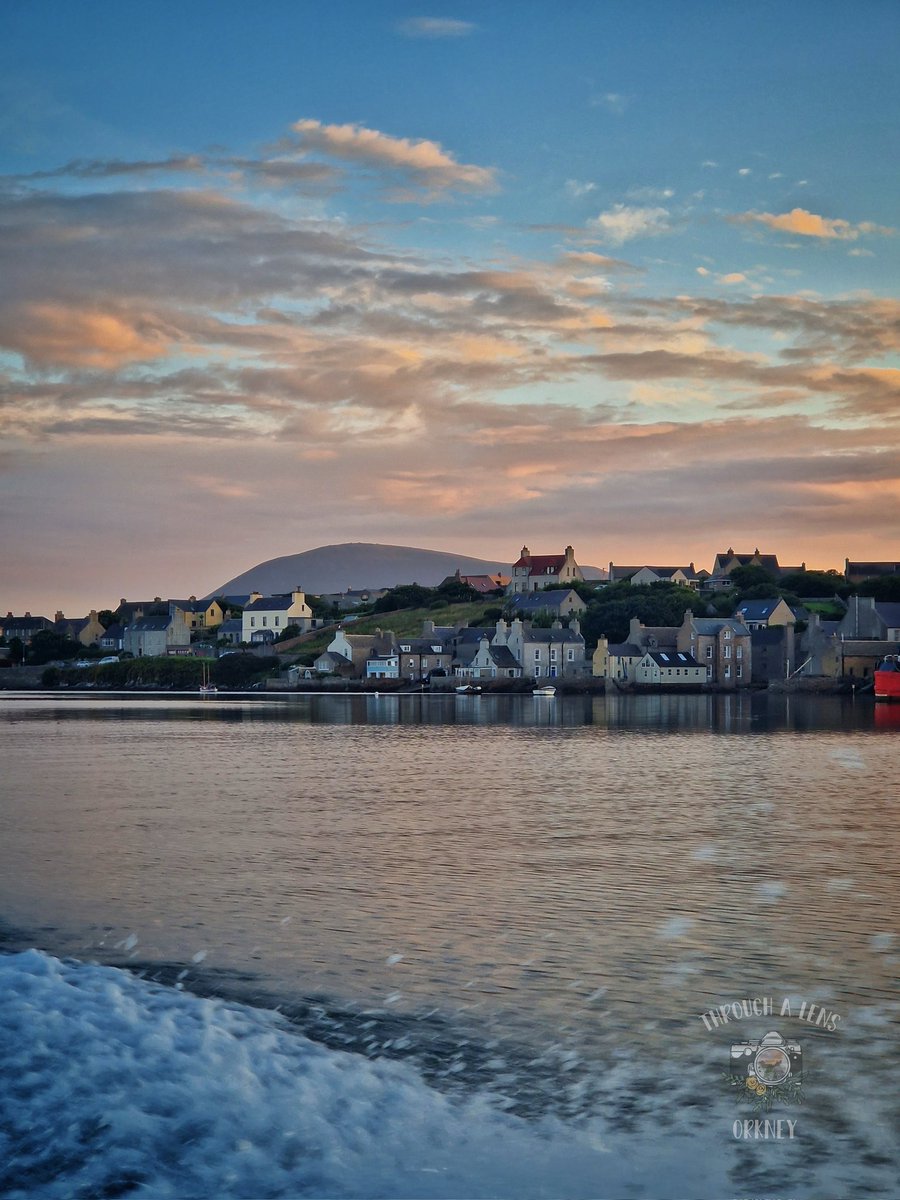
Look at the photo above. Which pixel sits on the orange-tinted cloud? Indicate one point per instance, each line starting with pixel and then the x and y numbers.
pixel 425 162
pixel 60 335
pixel 807 224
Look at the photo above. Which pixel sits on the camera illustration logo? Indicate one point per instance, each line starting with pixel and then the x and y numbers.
pixel 767 1072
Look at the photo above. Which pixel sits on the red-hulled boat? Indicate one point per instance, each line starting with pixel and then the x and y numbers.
pixel 887 678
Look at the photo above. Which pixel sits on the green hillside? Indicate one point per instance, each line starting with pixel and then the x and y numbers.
pixel 405 622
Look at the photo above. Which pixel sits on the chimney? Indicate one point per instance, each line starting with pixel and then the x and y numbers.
pixel 59 616
pixel 28 614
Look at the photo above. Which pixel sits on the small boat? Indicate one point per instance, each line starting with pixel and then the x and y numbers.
pixel 468 689
pixel 206 688
pixel 543 691
pixel 887 678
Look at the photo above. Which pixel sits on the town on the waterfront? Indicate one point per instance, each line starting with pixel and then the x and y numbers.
pixel 749 621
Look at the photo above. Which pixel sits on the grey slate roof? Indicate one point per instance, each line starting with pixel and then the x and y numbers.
pixel 504 657
pixel 150 624
pixel 536 601
pixel 712 625
pixel 422 645
pixel 669 658
pixel 758 610
pixel 625 650
pixel 472 635
pixel 270 604
pixel 552 635
pixel 889 611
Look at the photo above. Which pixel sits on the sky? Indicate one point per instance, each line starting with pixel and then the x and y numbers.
pixel 463 276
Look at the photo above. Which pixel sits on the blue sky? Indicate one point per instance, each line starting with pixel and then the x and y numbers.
pixel 616 274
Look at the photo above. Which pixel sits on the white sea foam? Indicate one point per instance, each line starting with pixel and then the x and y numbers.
pixel 116 1086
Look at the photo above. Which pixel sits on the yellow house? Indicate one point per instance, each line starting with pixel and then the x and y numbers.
pixel 198 614
pixel 86 630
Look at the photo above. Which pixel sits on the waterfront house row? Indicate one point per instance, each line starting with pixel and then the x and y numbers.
pixel 514 649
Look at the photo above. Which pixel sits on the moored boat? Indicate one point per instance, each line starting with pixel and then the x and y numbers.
pixel 206 688
pixel 887 678
pixel 543 691
pixel 468 689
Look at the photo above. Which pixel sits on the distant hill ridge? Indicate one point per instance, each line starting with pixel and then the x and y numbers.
pixel 359 565
pixel 355 565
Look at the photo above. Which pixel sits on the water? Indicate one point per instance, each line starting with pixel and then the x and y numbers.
pixel 525 905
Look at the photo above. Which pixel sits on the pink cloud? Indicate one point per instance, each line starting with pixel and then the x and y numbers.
pixel 426 162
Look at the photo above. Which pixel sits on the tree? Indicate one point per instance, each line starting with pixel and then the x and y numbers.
pixel 49 644
pixel 290 631
pixel 324 610
pixel 751 577
pixel 16 650
pixel 883 587
pixel 456 591
pixel 406 595
pixel 611 611
pixel 816 584
pixel 106 617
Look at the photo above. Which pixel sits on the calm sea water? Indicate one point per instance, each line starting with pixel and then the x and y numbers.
pixel 533 900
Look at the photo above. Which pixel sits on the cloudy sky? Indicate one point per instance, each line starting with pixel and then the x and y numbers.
pixel 274 276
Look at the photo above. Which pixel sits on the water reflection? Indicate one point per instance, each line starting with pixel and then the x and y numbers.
pixel 750 712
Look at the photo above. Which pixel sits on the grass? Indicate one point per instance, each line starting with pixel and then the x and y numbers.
pixel 405 622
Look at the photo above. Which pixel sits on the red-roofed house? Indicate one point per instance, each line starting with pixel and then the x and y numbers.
pixel 535 571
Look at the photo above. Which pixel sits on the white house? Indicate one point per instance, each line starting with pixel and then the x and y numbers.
pixel 266 617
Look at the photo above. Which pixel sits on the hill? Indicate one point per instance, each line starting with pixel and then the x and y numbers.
pixel 355 565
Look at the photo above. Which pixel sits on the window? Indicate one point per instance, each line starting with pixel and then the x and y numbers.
pixel 728 670
pixel 727 634
pixel 740 671
pixel 739 653
pixel 537 654
pixel 252 622
pixel 709 651
pixel 278 620
pixel 728 652
pixel 553 654
pixel 265 620
pixel 709 672
pixel 570 655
